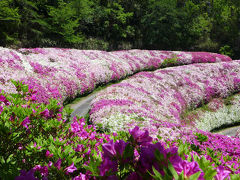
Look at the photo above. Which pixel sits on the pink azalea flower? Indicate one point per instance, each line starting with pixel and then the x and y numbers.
pixel 34 111
pixel 48 154
pixel 45 113
pixel 222 174
pixel 70 169
pixel 140 137
pixel 33 97
pixel 4 100
pixel 26 175
pixel 134 176
pixel 75 127
pixel 1 109
pixel 81 177
pixel 42 169
pixel 58 164
pixel 50 164
pixel 26 122
pixel 188 168
pixel 112 149
pixel 107 165
pixel 59 117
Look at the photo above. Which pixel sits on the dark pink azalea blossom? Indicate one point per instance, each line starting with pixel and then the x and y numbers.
pixel 147 158
pixel 50 164
pixel 1 109
pixel 111 149
pixel 75 127
pixel 70 169
pixel 140 137
pixel 45 113
pixel 48 154
pixel 222 173
pixel 107 165
pixel 24 175
pixel 81 177
pixel 59 117
pixel 26 122
pixel 33 97
pixel 188 168
pixel 58 164
pixel 4 100
pixel 42 169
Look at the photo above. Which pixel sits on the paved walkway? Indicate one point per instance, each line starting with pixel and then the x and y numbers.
pixel 231 131
pixel 82 107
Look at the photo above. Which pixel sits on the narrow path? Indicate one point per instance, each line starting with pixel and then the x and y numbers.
pixel 231 131
pixel 82 107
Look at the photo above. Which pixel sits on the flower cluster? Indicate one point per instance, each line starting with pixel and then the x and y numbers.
pixel 140 158
pixel 39 142
pixel 150 98
pixel 66 73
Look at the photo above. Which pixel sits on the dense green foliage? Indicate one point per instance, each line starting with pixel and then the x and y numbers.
pixel 196 25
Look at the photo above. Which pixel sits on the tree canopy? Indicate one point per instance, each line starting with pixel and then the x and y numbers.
pixel 193 25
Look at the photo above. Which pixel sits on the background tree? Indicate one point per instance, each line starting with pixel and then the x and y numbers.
pixel 9 22
pixel 191 25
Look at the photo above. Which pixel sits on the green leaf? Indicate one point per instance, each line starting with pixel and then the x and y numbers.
pixel 156 175
pixel 195 176
pixel 173 171
pixel 235 176
pixel 128 152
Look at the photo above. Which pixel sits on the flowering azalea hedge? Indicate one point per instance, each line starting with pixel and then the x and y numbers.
pixel 39 142
pixel 218 112
pixel 66 73
pixel 149 98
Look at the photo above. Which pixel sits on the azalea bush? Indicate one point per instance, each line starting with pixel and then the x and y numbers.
pixel 39 138
pixel 165 95
pixel 64 74
pixel 39 141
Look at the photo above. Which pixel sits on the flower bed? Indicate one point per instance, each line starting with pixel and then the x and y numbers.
pixel 38 142
pixel 216 113
pixel 66 73
pixel 149 98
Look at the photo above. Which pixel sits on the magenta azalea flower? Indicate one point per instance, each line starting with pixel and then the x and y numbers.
pixel 48 154
pixel 147 157
pixel 26 122
pixel 50 164
pixel 33 97
pixel 222 174
pixel 81 177
pixel 140 137
pixel 58 164
pixel 107 165
pixel 75 127
pixel 4 100
pixel 45 113
pixel 188 168
pixel 42 169
pixel 112 149
pixel 26 175
pixel 70 169
pixel 1 109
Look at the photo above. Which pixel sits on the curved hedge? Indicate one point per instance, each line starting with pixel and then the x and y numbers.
pixel 66 73
pixel 149 98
